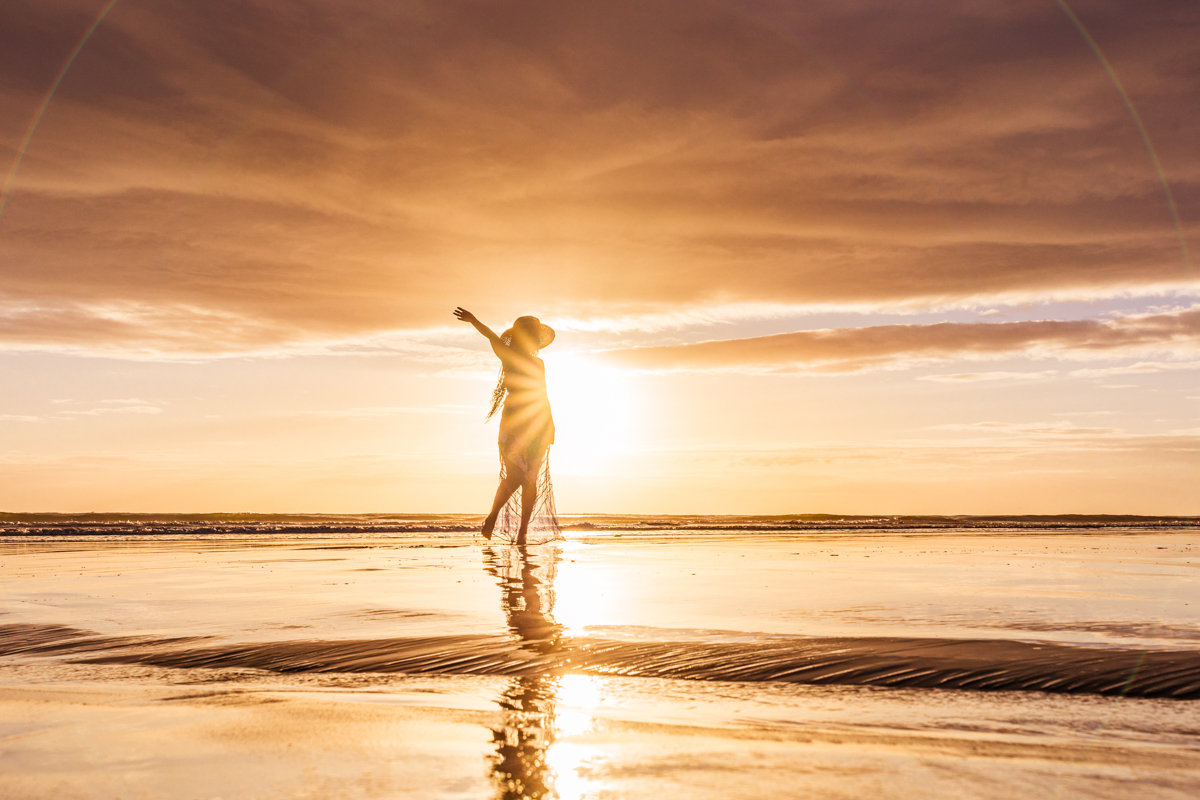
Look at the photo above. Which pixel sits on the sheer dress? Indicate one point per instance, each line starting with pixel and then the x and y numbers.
pixel 526 433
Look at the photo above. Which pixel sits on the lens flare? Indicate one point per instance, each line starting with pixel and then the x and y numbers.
pixel 595 409
pixel 41 109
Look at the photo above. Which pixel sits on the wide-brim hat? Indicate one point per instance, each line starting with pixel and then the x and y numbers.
pixel 545 332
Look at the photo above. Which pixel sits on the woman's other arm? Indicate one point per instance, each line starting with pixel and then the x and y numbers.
pixel 466 316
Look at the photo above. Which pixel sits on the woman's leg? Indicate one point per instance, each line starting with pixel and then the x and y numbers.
pixel 528 501
pixel 529 496
pixel 511 482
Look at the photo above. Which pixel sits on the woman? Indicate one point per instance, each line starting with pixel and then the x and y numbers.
pixel 526 428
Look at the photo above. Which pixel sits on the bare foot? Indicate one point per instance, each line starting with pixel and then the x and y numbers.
pixel 489 525
pixel 521 539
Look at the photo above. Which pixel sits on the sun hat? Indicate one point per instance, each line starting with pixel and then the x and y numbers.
pixel 545 332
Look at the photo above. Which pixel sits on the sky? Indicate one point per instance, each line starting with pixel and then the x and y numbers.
pixel 853 257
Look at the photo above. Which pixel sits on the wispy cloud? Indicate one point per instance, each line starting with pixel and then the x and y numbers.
pixel 126 401
pixel 377 412
pixel 972 446
pixel 1140 368
pixel 1026 429
pixel 101 411
pixel 975 377
pixel 884 346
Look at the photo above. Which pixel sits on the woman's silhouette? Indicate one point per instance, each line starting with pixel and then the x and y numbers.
pixel 526 430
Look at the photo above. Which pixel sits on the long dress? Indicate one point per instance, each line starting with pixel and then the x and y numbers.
pixel 526 433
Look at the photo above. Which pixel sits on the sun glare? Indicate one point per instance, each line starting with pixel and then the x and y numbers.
pixel 586 596
pixel 595 411
pixel 578 696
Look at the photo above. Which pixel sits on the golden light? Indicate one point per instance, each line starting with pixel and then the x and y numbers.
pixel 566 760
pixel 577 697
pixel 587 596
pixel 595 412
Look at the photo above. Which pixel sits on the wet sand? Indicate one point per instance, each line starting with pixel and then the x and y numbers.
pixel 980 665
pixel 616 665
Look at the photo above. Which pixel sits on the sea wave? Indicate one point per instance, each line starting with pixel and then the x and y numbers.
pixel 118 524
pixel 963 664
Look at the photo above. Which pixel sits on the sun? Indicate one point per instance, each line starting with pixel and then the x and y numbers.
pixel 595 410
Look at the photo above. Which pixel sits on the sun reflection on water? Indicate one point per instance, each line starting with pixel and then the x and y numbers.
pixel 534 756
pixel 565 760
pixel 585 596
pixel 578 695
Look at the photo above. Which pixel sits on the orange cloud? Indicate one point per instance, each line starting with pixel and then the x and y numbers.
pixel 855 349
pixel 308 169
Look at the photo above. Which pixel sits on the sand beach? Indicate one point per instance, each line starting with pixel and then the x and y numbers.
pixel 411 658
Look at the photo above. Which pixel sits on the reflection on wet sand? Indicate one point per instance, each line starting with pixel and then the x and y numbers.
pixel 520 766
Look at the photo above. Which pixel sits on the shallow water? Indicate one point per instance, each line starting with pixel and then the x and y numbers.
pixel 603 666
pixel 1119 588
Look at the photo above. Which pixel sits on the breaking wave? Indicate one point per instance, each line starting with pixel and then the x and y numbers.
pixel 455 525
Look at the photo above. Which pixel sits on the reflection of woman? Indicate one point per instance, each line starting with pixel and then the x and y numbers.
pixel 527 600
pixel 520 766
pixel 526 429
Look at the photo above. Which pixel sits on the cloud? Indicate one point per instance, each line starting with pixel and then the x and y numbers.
pixel 1030 429
pixel 974 377
pixel 377 412
pixel 950 449
pixel 150 331
pixel 1140 368
pixel 856 349
pixel 123 409
pixel 261 174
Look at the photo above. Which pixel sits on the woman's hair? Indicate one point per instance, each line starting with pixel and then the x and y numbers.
pixel 534 326
pixel 497 395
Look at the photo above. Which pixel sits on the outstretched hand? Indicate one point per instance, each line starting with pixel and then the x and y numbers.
pixel 466 316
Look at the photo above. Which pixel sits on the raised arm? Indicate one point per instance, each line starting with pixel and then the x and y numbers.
pixel 466 316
